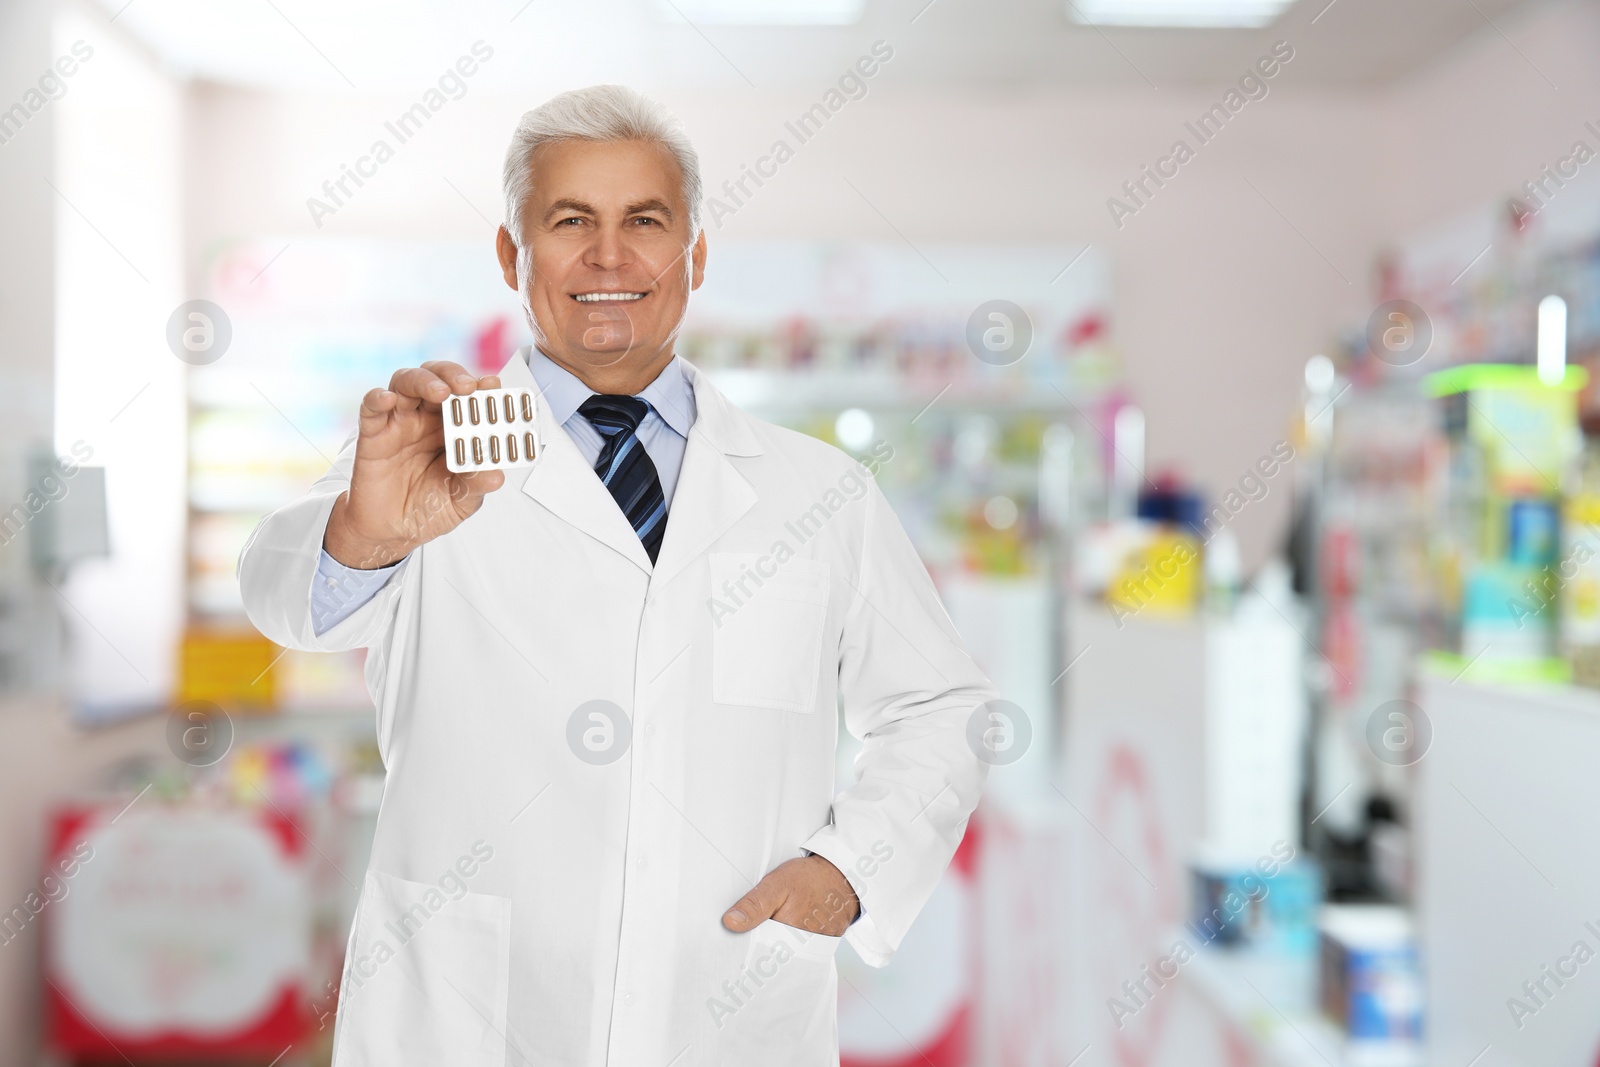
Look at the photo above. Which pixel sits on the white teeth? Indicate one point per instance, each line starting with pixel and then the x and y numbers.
pixel 591 298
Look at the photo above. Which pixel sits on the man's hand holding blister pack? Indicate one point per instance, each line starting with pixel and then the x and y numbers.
pixel 402 492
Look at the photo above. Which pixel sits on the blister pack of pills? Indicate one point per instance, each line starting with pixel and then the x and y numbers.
pixel 492 429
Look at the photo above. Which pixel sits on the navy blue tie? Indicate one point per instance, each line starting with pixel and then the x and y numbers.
pixel 625 467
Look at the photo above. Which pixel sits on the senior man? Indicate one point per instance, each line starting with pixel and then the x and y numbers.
pixel 607 691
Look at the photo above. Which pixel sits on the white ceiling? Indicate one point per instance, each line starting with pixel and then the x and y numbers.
pixel 382 46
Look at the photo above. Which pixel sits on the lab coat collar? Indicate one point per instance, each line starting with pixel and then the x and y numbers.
pixel 671 394
pixel 711 496
pixel 562 480
pixel 725 426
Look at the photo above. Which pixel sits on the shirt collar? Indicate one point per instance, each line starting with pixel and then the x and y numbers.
pixel 670 396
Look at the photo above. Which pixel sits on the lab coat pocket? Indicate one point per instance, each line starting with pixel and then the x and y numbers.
pixel 781 1009
pixel 426 978
pixel 767 638
pixel 803 944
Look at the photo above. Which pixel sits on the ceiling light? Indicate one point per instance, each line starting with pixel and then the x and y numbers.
pixel 762 12
pixel 1209 14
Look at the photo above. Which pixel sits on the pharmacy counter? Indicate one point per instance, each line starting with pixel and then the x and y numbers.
pixel 1508 873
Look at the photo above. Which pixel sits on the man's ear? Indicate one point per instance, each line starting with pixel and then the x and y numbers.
pixel 698 259
pixel 506 249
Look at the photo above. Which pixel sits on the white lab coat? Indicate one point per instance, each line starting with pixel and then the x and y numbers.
pixel 524 905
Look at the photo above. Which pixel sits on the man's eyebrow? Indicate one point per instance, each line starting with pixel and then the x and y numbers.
pixel 653 204
pixel 568 204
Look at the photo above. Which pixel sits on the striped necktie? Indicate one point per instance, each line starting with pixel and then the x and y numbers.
pixel 625 467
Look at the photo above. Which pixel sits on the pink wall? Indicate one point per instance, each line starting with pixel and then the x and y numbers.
pixel 1472 129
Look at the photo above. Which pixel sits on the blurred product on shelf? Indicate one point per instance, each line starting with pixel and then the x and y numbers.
pixel 1376 490
pixel 206 915
pixel 1153 560
pixel 1487 315
pixel 1508 385
pixel 283 774
pixel 1222 566
pixel 241 672
pixel 1159 571
pixel 187 933
pixel 1513 439
pixel 1389 849
pixel 1265 903
pixel 1165 501
pixel 1370 979
pixel 226 667
pixel 1576 581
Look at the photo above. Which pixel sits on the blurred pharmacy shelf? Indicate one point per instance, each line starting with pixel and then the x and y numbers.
pixel 1272 1001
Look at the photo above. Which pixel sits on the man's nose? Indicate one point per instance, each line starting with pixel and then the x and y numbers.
pixel 609 250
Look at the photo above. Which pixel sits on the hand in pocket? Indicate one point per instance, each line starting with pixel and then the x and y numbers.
pixel 808 893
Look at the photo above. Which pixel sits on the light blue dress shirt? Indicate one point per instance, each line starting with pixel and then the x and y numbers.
pixel 338 590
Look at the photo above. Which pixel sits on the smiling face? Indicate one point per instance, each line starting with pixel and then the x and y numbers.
pixel 606 260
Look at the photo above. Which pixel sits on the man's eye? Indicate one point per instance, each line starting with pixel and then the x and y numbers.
pixel 574 218
pixel 646 220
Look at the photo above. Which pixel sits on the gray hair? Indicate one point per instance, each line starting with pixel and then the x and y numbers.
pixel 598 113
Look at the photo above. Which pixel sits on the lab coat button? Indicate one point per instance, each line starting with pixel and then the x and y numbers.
pixel 628 999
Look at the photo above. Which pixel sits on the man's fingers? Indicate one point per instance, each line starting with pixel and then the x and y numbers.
pixel 458 378
pixel 469 489
pixel 808 894
pixel 375 408
pixel 438 379
pixel 421 383
pixel 756 906
pixel 827 912
pixel 378 406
